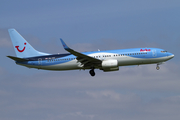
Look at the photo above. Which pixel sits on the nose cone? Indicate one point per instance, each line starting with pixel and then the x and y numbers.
pixel 170 55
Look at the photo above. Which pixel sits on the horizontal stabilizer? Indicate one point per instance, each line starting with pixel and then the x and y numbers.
pixel 17 59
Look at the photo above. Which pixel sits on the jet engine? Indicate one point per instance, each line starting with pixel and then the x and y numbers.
pixel 110 65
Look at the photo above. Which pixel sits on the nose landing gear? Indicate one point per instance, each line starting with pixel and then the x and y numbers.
pixel 91 72
pixel 157 67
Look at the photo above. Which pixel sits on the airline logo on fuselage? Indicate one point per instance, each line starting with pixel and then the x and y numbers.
pixel 145 50
pixel 19 49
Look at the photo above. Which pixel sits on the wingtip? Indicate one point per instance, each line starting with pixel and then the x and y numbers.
pixel 64 44
pixel 61 40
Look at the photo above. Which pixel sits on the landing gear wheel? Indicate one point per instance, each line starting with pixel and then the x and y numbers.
pixel 157 67
pixel 92 72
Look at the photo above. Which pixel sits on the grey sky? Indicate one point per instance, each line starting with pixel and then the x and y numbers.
pixel 132 93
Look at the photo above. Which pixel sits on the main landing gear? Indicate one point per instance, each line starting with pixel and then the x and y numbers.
pixel 157 67
pixel 91 72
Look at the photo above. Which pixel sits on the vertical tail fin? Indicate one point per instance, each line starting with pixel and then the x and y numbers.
pixel 22 48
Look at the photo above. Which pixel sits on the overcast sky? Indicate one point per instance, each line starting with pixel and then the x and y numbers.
pixel 132 93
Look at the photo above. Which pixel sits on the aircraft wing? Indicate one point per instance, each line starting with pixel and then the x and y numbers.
pixel 86 61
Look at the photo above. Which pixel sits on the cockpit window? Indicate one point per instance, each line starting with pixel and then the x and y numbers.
pixel 163 51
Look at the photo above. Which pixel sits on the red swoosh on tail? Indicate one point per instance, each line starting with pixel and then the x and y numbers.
pixel 19 49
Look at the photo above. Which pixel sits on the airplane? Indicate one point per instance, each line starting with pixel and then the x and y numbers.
pixel 107 61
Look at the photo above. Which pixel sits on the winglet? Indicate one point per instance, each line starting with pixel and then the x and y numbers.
pixel 64 45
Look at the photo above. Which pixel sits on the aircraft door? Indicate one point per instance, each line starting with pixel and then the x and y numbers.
pixel 40 61
pixel 102 57
pixel 154 53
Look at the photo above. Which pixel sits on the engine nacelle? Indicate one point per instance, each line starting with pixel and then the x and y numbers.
pixel 110 65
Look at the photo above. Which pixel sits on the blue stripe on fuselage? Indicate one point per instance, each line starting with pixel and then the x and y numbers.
pixel 63 58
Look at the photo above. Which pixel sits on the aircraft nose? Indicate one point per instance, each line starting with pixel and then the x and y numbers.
pixel 170 55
